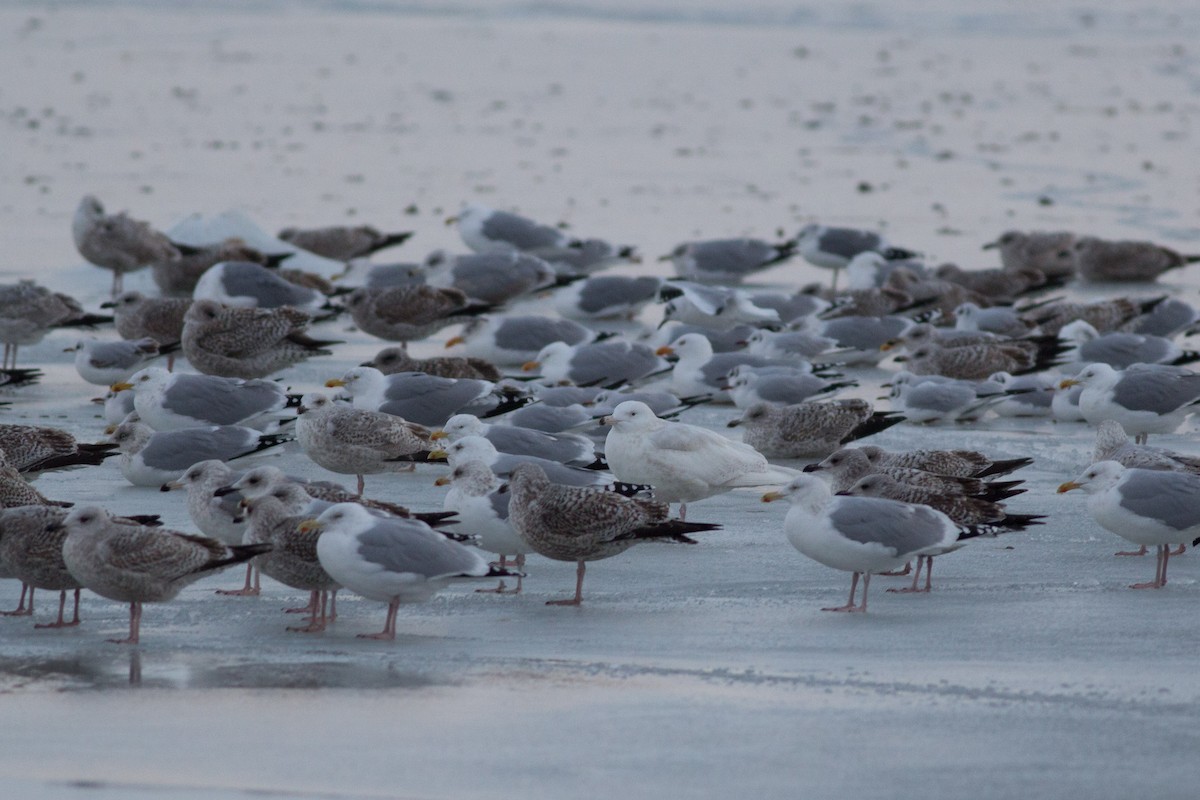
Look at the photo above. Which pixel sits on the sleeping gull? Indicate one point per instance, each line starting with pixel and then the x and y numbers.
pixel 117 242
pixel 244 284
pixel 426 399
pixel 1145 399
pixel 136 564
pixel 961 463
pixel 247 342
pixel 751 387
pixel 865 535
pixel 391 560
pixel 711 307
pixel 159 318
pixel 275 519
pixel 150 458
pixel 613 362
pixel 1121 349
pixel 810 430
pixel 606 297
pixel 41 448
pixel 1147 507
pixel 997 285
pixel 727 261
pixel 1025 395
pixel 563 448
pixel 391 360
pixel 684 463
pixel 355 441
pixel 342 242
pixel 581 524
pixel 106 363
pixel 167 401
pixel 513 340
pixel 408 313
pixel 1102 260
pixel 859 339
pixel 1047 251
pixel 585 256
pixel 482 509
pixel 788 345
pixel 844 467
pixel 1000 320
pixel 490 278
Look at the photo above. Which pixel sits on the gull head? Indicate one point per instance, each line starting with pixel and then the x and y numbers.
pixel 806 490
pixel 1098 477
pixel 632 415
pixel 86 519
pixel 759 413
pixel 1098 374
pixel 259 480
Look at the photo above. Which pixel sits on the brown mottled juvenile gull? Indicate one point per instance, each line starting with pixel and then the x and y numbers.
pixel 581 524
pixel 997 285
pixel 866 535
pixel 1103 315
pixel 160 318
pixel 960 508
pixel 343 242
pixel 33 555
pixel 960 463
pixel 1113 444
pixel 117 242
pixel 391 560
pixel 810 429
pixel 391 360
pixel 32 449
pixel 275 519
pixel 1145 398
pixel 355 441
pixel 247 342
pixel 844 467
pixel 1103 260
pixel 136 564
pixel 152 458
pixel 1147 507
pixel 427 399
pixel 977 362
pixel 1047 251
pixel 684 463
pixel 178 278
pixel 408 313
pixel 28 312
pixel 16 491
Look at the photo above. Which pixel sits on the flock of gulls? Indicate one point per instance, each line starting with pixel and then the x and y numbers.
pixel 556 436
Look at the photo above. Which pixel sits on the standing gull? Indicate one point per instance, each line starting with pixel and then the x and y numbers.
pixel 32 552
pixel 1147 507
pixel 810 430
pixel 865 535
pixel 117 242
pixel 683 463
pixel 355 441
pixel 218 516
pixel 833 248
pixel 136 564
pixel 1145 399
pixel 475 496
pixel 247 342
pixel 391 560
pixel 28 312
pixel 178 278
pixel 580 524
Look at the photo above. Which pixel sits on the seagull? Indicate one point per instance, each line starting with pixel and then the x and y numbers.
pixel 1047 251
pixel 117 242
pixel 477 448
pixel 409 313
pixel 178 278
pixel 563 448
pixel 475 496
pixel 106 363
pixel 684 463
pixel 33 449
pixel 343 243
pixel 425 399
pixel 1121 349
pixel 28 312
pixel 810 429
pixel 581 524
pixel 150 458
pixel 159 318
pixel 866 535
pixel 247 342
pixel 727 261
pixel 843 467
pixel 490 278
pixel 712 307
pixel 1147 507
pixel 833 248
pixel 391 360
pixel 244 284
pixel 1102 260
pixel 610 363
pixel 487 230
pixel 960 463
pixel 699 370
pixel 167 402
pixel 218 516
pixel 1145 399
pixel 391 560
pixel 513 340
pixel 607 297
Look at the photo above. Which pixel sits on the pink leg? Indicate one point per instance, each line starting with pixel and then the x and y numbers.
pixel 854 588
pixel 1160 570
pixel 915 587
pixel 578 598
pixel 135 624
pixel 1141 551
pixel 360 485
pixel 389 626
pixel 62 605
pixel 1180 550
pixel 683 512
pixel 899 572
pixel 317 623
pixel 310 609
pixel 250 589
pixel 21 610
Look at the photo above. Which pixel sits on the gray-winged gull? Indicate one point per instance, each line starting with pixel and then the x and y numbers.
pixel 612 362
pixel 513 340
pixel 1145 399
pixel 727 261
pixel 150 458
pixel 426 399
pixel 482 508
pixel 168 401
pixel 606 297
pixel 563 448
pixel 245 284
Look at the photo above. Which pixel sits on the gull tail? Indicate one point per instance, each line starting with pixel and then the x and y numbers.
pixel 1003 467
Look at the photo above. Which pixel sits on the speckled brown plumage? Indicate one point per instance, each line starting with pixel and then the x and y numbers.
pixel 246 342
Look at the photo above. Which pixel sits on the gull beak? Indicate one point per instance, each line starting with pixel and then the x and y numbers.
pixel 169 485
pixel 437 454
pixel 1067 384
pixel 1068 486
pixel 438 434
pixel 244 504
pixel 771 496
pixel 530 366
pixel 665 350
pixel 900 359
pixel 309 525
pixel 991 245
pixel 733 423
pixel 890 344
pixel 70 349
pixel 607 420
pixel 442 481
pixel 334 382
pixel 667 257
pixel 453 340
pixel 121 386
pixel 108 304
pixel 110 430
pixel 452 220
